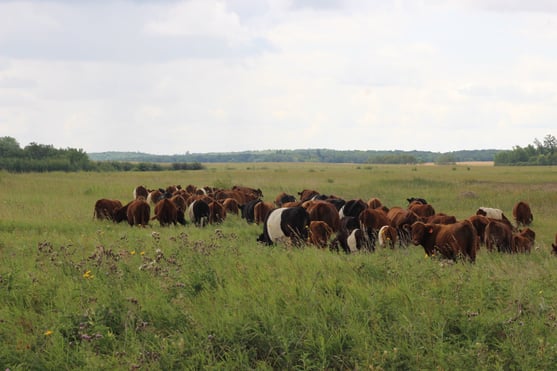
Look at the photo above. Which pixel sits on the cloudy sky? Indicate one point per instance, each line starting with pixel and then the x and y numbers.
pixel 167 77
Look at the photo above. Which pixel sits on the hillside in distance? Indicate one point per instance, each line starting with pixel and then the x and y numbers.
pixel 305 155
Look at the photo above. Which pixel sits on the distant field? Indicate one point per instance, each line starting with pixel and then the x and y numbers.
pixel 82 294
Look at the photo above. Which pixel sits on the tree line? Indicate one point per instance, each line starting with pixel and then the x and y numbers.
pixel 539 153
pixel 44 158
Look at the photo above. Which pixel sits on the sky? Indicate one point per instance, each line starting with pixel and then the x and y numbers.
pixel 199 76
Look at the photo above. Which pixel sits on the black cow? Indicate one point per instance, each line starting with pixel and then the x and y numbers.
pixel 285 222
pixel 247 210
pixel 416 199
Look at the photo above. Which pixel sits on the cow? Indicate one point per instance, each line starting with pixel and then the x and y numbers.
pixel 416 199
pixel 554 245
pixel 307 194
pixel 231 206
pixel 260 211
pixel 217 212
pixel 155 196
pixel 166 212
pixel 105 208
pixel 401 219
pixel 250 192
pixel 352 208
pixel 285 223
pixel 493 213
pixel 349 236
pixel 424 211
pixel 387 236
pixel 522 214
pixel 140 191
pixel 479 222
pixel 450 240
pixel 247 210
pixel 181 208
pixel 199 212
pixel 319 233
pixel 324 211
pixel 498 235
pixel 441 218
pixel 374 203
pixel 371 221
pixel 138 212
pixel 523 241
pixel 282 198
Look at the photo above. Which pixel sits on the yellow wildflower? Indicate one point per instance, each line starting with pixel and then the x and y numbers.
pixel 88 275
pixel 133 252
pixel 48 332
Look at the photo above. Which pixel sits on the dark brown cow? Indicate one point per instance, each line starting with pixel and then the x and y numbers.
pixel 260 211
pixel 231 206
pixel 140 191
pixel 166 212
pixel 324 211
pixel 138 212
pixel 498 235
pixel 523 241
pixel 371 221
pixel 319 233
pixel 450 240
pixel 522 214
pixel 105 208
pixel 217 212
pixel 479 222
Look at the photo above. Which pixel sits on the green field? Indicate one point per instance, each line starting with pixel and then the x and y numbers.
pixel 76 293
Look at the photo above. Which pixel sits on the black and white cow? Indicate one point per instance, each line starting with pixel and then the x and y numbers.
pixel 285 223
pixel 198 212
pixel 352 208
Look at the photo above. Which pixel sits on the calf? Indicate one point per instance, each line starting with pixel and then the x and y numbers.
pixel 319 233
pixel 450 240
pixel 523 241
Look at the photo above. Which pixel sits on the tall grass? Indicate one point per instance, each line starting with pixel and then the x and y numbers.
pixel 81 294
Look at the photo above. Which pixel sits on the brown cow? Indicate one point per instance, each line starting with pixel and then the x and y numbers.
pixel 217 212
pixel 282 198
pixel 387 236
pixel 261 210
pixel 105 208
pixel 307 194
pixel 498 235
pixel 522 214
pixel 324 211
pixel 450 240
pixel 231 205
pixel 374 203
pixel 554 245
pixel 401 219
pixel 422 210
pixel 371 221
pixel 479 222
pixel 319 233
pixel 166 212
pixel 140 191
pixel 441 218
pixel 523 241
pixel 138 212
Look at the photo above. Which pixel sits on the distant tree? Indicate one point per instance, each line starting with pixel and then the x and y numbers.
pixel 9 147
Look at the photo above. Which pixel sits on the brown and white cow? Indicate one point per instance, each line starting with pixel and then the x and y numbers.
pixel 450 240
pixel 522 214
pixel 387 236
pixel 105 208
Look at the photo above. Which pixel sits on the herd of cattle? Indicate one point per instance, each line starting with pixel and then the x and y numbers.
pixel 331 221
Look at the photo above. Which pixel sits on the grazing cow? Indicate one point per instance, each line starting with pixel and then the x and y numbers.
pixel 338 203
pixel 441 218
pixel 181 208
pixel 231 206
pixel 387 236
pixel 350 237
pixel 260 211
pixel 324 211
pixel 282 198
pixel 450 240
pixel 523 241
pixel 252 192
pixel 217 212
pixel 307 194
pixel 140 191
pixel 247 210
pixel 166 212
pixel 199 212
pixel 155 196
pixel 401 219
pixel 498 235
pixel 424 211
pixel 493 213
pixel 554 245
pixel 285 223
pixel 319 233
pixel 353 208
pixel 371 221
pixel 374 203
pixel 416 199
pixel 522 214
pixel 479 222
pixel 138 212
pixel 105 208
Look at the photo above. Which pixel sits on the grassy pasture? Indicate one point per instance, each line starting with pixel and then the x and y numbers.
pixel 81 294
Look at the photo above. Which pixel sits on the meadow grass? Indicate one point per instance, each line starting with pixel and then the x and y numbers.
pixel 77 293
